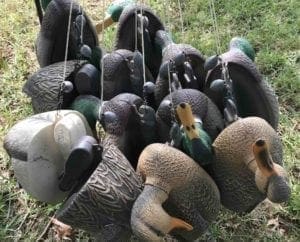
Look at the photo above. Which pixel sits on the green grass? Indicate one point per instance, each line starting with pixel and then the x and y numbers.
pixel 273 29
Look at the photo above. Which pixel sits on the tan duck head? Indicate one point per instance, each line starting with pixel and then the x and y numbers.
pixel 201 106
pixel 39 147
pixel 248 165
pixel 248 85
pixel 178 197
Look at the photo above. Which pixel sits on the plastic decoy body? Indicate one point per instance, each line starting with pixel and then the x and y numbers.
pixel 194 141
pixel 105 200
pixel 184 62
pixel 173 178
pixel 248 86
pixel 129 118
pixel 122 73
pixel 125 38
pixel 248 165
pixel 51 41
pixel 44 86
pixel 202 107
pixel 39 147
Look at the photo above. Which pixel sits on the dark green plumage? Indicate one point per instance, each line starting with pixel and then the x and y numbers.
pixel 116 8
pixel 243 45
pixel 199 149
pixel 88 106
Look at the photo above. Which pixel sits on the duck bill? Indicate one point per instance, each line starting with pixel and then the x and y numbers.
pixel 149 221
pixel 108 21
pixel 276 181
pixel 263 158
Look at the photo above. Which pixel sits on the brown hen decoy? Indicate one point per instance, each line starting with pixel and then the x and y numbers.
pixel 248 165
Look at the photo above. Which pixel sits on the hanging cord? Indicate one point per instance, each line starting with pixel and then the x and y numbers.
pixel 101 86
pixel 60 95
pixel 102 65
pixel 215 26
pixel 143 46
pixel 135 29
pixel 81 27
pixel 103 18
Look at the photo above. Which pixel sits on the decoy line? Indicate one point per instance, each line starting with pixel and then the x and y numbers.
pixel 60 96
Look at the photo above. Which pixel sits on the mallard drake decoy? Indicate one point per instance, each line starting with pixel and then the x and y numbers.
pixel 125 38
pixel 248 86
pixel 106 198
pixel 243 167
pixel 51 41
pixel 202 107
pixel 184 62
pixel 173 178
pixel 38 147
pixel 192 140
pixel 44 86
pixel 123 73
pixel 113 13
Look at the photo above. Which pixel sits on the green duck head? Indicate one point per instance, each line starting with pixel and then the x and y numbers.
pixel 243 45
pixel 113 13
pixel 88 106
pixel 195 141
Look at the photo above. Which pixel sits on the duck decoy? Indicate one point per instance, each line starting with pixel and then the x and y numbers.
pixel 38 147
pixel 181 62
pixel 113 13
pixel 190 137
pixel 123 73
pixel 201 105
pixel 127 29
pixel 106 198
pixel 125 122
pixel 44 86
pixel 248 86
pixel 51 41
pixel 248 165
pixel 175 180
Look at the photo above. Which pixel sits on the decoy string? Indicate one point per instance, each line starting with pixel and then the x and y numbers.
pixel 60 94
pixel 171 62
pixel 102 67
pixel 81 29
pixel 215 26
pixel 143 45
pixel 135 29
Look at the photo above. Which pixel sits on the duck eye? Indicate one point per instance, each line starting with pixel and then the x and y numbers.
pixel 182 105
